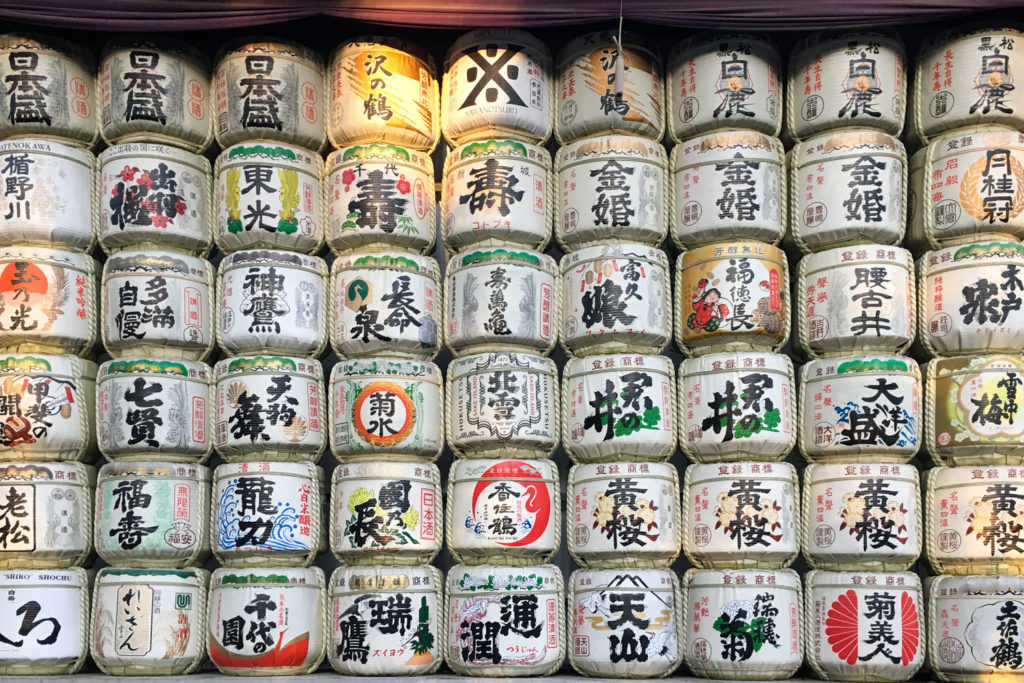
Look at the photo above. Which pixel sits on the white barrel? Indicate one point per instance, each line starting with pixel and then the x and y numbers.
pixel 48 300
pixel 47 508
pixel 728 185
pixel 503 510
pixel 387 405
pixel 742 623
pixel 155 88
pixel 608 90
pixel 623 515
pixel 149 621
pixel 863 626
pixel 386 303
pixel 386 621
pixel 497 191
pixel 158 303
pixel 269 406
pixel 864 516
pixel 505 621
pixel 269 89
pixel 383 90
pixel 52 198
pixel 57 637
pixel 269 196
pixel 846 79
pixel 386 513
pixel 272 302
pixel 501 300
pixel 856 299
pixel 860 408
pixel 502 404
pixel 155 196
pixel 613 188
pixel 972 410
pixel 625 623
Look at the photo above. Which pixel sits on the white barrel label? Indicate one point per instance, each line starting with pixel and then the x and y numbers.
pixel 46 297
pixel 42 615
pixel 46 408
pixel 265 508
pixel 46 510
pixel 381 512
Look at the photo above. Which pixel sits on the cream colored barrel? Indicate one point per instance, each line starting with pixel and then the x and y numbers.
pixel 63 598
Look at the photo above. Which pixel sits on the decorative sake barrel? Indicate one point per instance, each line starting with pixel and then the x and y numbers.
pixel 856 299
pixel 386 621
pixel 838 80
pixel 52 200
pixel 625 623
pixel 383 90
pixel 61 643
pixel 159 304
pixel 154 88
pixel 613 188
pixel 728 185
pixel 49 87
pixel 269 195
pixel 149 621
pixel 608 90
pixel 269 90
pixel 505 620
pixel 497 82
pixel 497 191
pixel 625 515
pixel 864 516
pixel 725 80
pixel 49 508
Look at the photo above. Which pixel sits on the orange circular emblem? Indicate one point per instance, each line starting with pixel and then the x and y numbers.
pixel 383 413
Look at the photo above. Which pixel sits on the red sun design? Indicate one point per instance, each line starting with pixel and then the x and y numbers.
pixel 22 282
pixel 538 500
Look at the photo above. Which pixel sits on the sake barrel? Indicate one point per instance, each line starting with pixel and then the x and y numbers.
pixel 386 621
pixel 57 635
pixel 501 300
pixel 972 414
pixel 48 407
pixel 158 303
pixel 846 79
pixel 613 188
pixel 724 80
pixel 155 88
pixel 737 404
pixel 383 90
pixel 48 508
pixel 505 621
pixel 982 313
pixel 728 185
pixel 609 87
pixel 613 300
pixel 497 191
pixel 272 302
pixel 47 300
pixel 497 81
pixel 269 405
pixel 864 626
pixel 860 408
pixel 380 197
pixel 848 187
pixel 387 405
pixel 502 404
pixel 154 196
pixel 285 609
pixel 856 299
pixel 742 623
pixel 149 621
pixel 386 513
pixel 53 200
pixel 270 90
pixel 269 196
pixel 625 623
pixel 625 515
pixel 386 303
pixel 508 510
pixel 864 516
pixel 50 89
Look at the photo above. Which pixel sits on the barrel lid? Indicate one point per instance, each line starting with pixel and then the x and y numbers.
pixel 500 147
pixel 405 262
pixel 503 360
pixel 370 42
pixel 473 40
pixel 701 41
pixel 133 260
pixel 168 470
pixel 741 578
pixel 52 257
pixel 618 250
pixel 837 40
pixel 472 469
pixel 72 578
pixel 18 363
pixel 481 257
pixel 758 250
pixel 184 369
pixel 380 153
pixel 616 362
pixel 589 42
pixel 719 144
pixel 735 361
pixel 185 577
pixel 46 145
pixel 831 368
pixel 397 368
pixel 607 470
pixel 269 150
pixel 228 367
pixel 945 585
pixel 425 579
pixel 864 580
pixel 833 258
pixel 158 43
pixel 845 141
pixel 48 471
pixel 951 257
pixel 269 45
pixel 383 469
pixel 133 150
pixel 635 580
pixel 311 577
pixel 38 42
pixel 466 580
pixel 234 469
pixel 615 145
